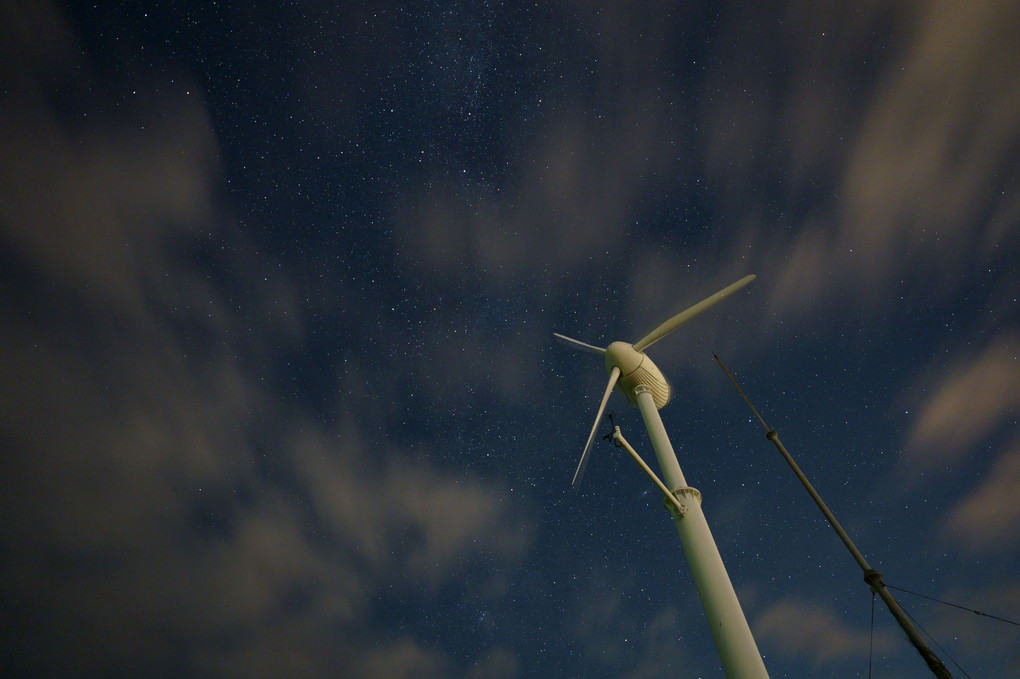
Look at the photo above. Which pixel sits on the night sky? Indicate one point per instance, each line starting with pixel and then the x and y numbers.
pixel 279 393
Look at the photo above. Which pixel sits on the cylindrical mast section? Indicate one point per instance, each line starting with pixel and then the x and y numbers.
pixel 871 576
pixel 671 473
pixel 737 649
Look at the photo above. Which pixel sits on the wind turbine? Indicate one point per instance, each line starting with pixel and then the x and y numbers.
pixel 644 386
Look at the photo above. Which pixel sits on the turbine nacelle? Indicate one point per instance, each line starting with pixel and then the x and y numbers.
pixel 636 370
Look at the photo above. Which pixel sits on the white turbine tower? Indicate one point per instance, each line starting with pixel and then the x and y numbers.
pixel 644 386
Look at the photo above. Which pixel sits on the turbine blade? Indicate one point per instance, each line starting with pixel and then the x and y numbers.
pixel 687 314
pixel 578 344
pixel 613 376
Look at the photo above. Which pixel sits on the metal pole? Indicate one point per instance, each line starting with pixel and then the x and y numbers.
pixel 871 576
pixel 737 649
pixel 671 501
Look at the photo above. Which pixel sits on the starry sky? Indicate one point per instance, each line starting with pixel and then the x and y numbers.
pixel 278 283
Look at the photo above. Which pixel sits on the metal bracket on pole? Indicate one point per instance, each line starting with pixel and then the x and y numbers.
pixel 874 579
pixel 673 501
pixel 678 506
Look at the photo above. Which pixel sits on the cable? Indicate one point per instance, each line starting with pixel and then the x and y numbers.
pixel 871 638
pixel 949 603
pixel 938 645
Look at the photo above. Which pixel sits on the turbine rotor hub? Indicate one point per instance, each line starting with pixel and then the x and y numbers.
pixel 637 369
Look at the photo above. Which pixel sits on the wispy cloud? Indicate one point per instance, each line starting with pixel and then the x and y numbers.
pixel 968 422
pixel 404 659
pixel 796 628
pixel 164 506
pixel 984 520
pixel 934 143
pixel 915 142
pixel 408 519
pixel 976 396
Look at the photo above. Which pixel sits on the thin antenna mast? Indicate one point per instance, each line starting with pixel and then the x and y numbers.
pixel 871 576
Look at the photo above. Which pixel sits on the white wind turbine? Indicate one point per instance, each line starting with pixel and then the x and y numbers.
pixel 644 386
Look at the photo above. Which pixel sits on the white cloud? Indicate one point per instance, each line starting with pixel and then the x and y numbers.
pixel 975 397
pixel 163 504
pixel 936 136
pixel 796 628
pixel 906 172
pixel 403 516
pixel 985 519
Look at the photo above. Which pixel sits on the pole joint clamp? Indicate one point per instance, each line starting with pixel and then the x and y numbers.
pixel 677 505
pixel 874 579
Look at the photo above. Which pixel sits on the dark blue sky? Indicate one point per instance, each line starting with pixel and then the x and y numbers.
pixel 280 395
